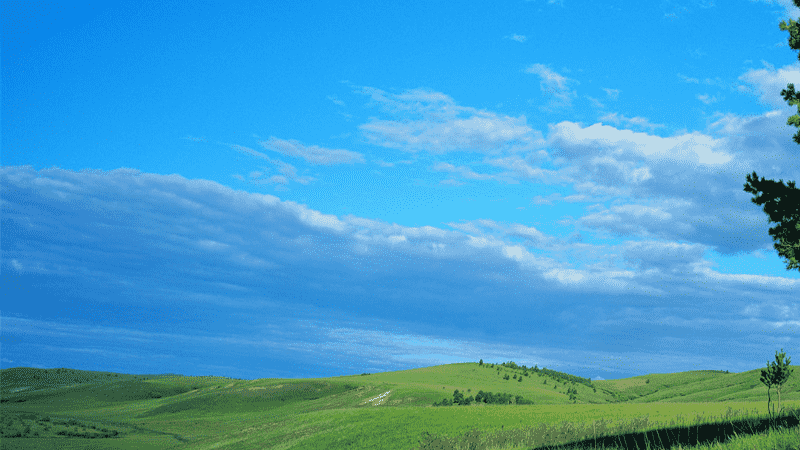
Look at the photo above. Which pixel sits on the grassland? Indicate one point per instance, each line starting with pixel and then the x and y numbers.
pixel 72 409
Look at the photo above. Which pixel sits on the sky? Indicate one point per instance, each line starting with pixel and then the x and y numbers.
pixel 308 189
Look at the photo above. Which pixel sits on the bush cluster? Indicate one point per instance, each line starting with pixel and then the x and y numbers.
pixel 483 397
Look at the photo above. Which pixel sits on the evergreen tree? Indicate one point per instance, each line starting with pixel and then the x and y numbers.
pixel 782 202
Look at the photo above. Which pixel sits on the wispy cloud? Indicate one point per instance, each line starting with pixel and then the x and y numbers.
pixel 554 86
pixel 288 171
pixel 311 153
pixel 517 37
pixel 433 122
pixel 335 100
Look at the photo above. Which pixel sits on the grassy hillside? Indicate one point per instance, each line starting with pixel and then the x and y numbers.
pixel 45 407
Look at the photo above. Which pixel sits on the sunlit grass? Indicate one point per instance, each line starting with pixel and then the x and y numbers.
pixel 126 411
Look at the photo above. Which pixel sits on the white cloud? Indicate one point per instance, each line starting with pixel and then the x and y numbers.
pixel 766 84
pixel 707 99
pixel 613 94
pixel 554 85
pixel 433 122
pixel 616 118
pixel 313 154
pixel 287 170
pixel 240 250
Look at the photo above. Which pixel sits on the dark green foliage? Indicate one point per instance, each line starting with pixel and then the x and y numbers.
pixel 457 397
pixel 480 363
pixel 491 398
pixel 483 397
pixel 563 377
pixel 789 95
pixel 519 379
pixel 782 202
pixel 782 205
pixel 445 402
pixel 648 381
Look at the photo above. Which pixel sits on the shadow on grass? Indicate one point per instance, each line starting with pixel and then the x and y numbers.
pixel 570 437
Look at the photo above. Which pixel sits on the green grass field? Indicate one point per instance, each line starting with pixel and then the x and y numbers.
pixel 72 409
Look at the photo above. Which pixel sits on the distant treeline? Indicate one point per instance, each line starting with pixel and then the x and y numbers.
pixel 564 377
pixel 483 397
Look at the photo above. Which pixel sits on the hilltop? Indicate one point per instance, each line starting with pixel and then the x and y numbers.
pixel 166 410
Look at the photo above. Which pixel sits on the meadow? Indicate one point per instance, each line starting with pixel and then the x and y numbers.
pixel 503 406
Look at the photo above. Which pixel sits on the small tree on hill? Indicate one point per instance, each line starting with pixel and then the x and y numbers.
pixel 458 397
pixel 480 363
pixel 776 375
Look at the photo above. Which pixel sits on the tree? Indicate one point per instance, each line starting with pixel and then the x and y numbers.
pixel 458 397
pixel 782 205
pixel 776 375
pixel 480 363
pixel 789 94
pixel 782 202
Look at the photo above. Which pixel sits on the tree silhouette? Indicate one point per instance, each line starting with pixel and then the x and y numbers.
pixel 782 202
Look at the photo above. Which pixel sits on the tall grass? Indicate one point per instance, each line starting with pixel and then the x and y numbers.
pixel 718 433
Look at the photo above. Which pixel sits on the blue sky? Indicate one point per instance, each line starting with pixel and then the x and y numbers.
pixel 304 190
